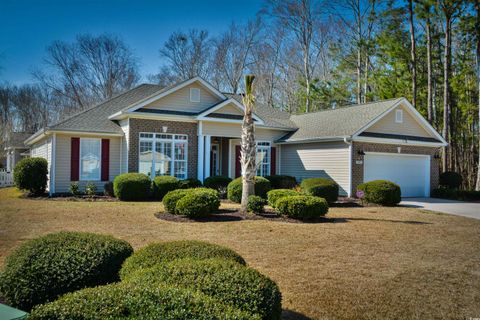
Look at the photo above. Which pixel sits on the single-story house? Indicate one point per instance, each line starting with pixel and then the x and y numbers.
pixel 192 130
pixel 15 149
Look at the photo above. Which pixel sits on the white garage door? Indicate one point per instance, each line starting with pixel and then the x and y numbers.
pixel 410 172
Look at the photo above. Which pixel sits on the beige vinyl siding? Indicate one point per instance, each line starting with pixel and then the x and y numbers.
pixel 233 130
pixel 317 160
pixel 410 125
pixel 229 109
pixel 124 124
pixel 63 158
pixel 43 149
pixel 180 100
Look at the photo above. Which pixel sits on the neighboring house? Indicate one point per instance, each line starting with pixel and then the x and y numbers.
pixel 15 149
pixel 192 130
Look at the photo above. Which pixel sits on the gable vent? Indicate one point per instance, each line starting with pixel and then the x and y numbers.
pixel 194 95
pixel 399 116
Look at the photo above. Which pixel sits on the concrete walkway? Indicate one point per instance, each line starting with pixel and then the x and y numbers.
pixel 459 208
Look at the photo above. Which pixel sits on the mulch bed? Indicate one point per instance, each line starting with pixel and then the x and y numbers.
pixel 84 198
pixel 227 215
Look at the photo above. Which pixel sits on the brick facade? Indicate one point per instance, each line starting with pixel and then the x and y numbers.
pixel 357 169
pixel 156 126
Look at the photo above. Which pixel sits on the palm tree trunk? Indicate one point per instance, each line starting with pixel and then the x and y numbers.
pixel 248 147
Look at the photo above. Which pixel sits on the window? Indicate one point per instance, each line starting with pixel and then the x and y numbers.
pixel 194 95
pixel 90 159
pixel 263 159
pixel 399 116
pixel 163 155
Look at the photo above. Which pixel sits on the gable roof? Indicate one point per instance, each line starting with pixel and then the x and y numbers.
pixel 338 123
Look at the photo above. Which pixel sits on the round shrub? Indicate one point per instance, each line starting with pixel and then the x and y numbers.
pixel 161 253
pixel 450 179
pixel 189 183
pixel 282 181
pixel 162 185
pixel 171 198
pixel 31 174
pixel 42 269
pixel 132 186
pixel 302 207
pixel 383 192
pixel 255 204
pixel 226 281
pixel 276 194
pixel 321 187
pixel 234 189
pixel 128 301
pixel 198 203
pixel 218 183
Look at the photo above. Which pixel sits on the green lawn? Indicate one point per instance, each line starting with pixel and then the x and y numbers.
pixel 368 263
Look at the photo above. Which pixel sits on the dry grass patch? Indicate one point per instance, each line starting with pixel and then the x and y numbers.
pixel 372 263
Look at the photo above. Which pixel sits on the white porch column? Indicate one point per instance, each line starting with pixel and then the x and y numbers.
pixel 201 152
pixel 200 157
pixel 208 149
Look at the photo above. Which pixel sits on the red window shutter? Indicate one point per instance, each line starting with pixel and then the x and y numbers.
pixel 75 159
pixel 238 165
pixel 273 161
pixel 105 159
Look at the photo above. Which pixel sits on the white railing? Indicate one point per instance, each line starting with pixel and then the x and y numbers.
pixel 6 178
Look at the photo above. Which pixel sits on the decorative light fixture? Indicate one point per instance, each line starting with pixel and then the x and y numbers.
pixel 361 153
pixel 165 129
pixel 436 156
pixel 399 149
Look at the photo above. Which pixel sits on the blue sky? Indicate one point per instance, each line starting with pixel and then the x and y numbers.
pixel 28 27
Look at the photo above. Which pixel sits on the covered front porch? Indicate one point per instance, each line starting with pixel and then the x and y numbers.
pixel 221 156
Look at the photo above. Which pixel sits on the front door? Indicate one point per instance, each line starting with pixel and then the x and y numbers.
pixel 215 160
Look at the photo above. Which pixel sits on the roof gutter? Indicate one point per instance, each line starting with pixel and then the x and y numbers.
pixel 46 132
pixel 311 140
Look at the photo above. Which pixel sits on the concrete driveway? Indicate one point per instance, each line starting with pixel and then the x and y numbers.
pixel 459 208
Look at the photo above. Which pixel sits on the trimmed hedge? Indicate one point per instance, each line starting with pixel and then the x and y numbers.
pixel 161 253
pixel 127 301
pixel 321 187
pixel 226 281
pixel 163 184
pixel 31 174
pixel 274 195
pixel 170 200
pixel 382 192
pixel 189 183
pixel 450 179
pixel 282 181
pixel 132 186
pixel 302 207
pixel 198 203
pixel 455 194
pixel 219 183
pixel 42 269
pixel 255 204
pixel 234 189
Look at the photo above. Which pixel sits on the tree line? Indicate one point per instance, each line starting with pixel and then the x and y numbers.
pixel 307 55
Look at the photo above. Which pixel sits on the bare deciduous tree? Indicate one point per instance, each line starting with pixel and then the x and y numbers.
pixel 89 70
pixel 187 56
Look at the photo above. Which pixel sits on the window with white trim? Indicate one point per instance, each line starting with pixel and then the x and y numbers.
pixel 90 159
pixel 399 116
pixel 194 95
pixel 263 159
pixel 163 155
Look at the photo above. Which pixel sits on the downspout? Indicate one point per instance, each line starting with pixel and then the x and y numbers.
pixel 348 141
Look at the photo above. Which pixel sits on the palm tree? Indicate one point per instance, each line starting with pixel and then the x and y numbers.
pixel 248 148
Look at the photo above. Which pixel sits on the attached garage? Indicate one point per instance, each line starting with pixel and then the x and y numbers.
pixel 410 171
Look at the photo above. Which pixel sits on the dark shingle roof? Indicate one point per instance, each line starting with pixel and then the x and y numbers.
pixel 337 123
pixel 96 119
